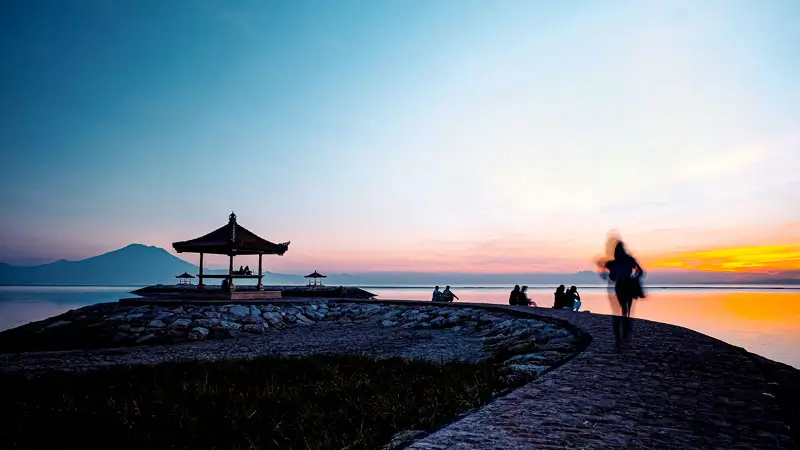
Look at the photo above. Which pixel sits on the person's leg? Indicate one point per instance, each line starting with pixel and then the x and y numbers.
pixel 626 313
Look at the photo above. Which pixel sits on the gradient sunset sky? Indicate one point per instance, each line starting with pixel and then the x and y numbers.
pixel 406 134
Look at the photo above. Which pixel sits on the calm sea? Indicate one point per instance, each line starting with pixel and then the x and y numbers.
pixel 764 319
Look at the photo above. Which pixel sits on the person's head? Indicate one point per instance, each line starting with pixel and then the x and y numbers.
pixel 573 289
pixel 436 288
pixel 524 288
pixel 619 251
pixel 561 288
pixel 516 287
pixel 447 287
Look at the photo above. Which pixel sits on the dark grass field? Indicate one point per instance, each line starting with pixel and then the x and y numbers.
pixel 307 403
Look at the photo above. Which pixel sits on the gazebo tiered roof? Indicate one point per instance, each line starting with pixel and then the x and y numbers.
pixel 231 239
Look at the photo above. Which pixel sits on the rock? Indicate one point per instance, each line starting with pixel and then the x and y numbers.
pixel 239 311
pixel 212 314
pixel 422 325
pixel 456 328
pixel 60 323
pixel 251 320
pixel 164 315
pixel 136 329
pixel 124 327
pixel 178 310
pixel 181 324
pixel 272 317
pixel 254 311
pixel 119 337
pixel 207 323
pixel 145 338
pixel 530 369
pixel 254 328
pixel 438 322
pixel 198 333
pixel 133 316
pixel 303 320
pixel 156 324
pixel 388 323
pixel 116 317
pixel 226 325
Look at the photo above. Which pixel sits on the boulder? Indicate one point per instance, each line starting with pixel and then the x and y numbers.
pixel 207 323
pixel 438 322
pixel 272 317
pixel 239 311
pixel 133 316
pixel 255 312
pixel 226 325
pixel 212 314
pixel 198 333
pixel 388 323
pixel 156 324
pixel 181 324
pixel 164 315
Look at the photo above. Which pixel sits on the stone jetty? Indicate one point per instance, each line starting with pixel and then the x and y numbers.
pixel 672 389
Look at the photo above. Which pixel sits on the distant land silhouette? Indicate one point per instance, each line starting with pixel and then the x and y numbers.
pixel 138 264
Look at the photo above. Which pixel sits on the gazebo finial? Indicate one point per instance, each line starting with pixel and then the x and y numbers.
pixel 232 221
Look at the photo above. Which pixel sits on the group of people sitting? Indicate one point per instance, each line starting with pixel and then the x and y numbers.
pixel 443 296
pixel 243 271
pixel 519 297
pixel 564 299
pixel 567 298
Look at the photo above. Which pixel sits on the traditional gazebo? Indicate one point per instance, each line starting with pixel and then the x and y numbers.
pixel 314 276
pixel 184 279
pixel 231 240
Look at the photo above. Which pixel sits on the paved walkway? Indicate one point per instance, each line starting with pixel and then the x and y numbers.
pixel 675 389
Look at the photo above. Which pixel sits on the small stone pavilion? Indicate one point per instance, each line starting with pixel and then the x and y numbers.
pixel 233 240
pixel 313 277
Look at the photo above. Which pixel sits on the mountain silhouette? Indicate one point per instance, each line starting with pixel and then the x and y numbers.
pixel 134 264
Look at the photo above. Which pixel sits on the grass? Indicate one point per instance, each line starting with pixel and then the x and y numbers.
pixel 308 403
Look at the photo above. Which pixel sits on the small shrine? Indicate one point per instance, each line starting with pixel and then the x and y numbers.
pixel 184 279
pixel 313 277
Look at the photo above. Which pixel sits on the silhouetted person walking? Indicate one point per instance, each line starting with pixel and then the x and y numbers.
pixel 625 273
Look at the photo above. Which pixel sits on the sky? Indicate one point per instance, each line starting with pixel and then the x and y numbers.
pixel 405 134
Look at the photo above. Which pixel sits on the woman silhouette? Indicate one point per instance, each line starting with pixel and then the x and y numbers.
pixel 625 273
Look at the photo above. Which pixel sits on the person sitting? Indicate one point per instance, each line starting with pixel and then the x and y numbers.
pixel 224 284
pixel 523 299
pixel 561 299
pixel 247 270
pixel 512 298
pixel 574 298
pixel 437 294
pixel 447 295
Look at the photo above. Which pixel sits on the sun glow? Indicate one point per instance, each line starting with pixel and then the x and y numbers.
pixel 738 259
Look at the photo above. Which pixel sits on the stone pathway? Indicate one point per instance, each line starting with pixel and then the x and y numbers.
pixel 674 389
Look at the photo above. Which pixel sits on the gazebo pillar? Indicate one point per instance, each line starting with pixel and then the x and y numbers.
pixel 200 284
pixel 230 273
pixel 260 285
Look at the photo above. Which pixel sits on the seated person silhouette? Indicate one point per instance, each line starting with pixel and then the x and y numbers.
pixel 247 270
pixel 561 300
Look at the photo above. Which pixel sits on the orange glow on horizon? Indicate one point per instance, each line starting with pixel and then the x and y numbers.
pixel 752 259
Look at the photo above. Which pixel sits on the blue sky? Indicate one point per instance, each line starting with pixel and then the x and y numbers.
pixel 400 134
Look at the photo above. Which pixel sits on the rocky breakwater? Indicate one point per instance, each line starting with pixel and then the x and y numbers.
pixel 524 345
